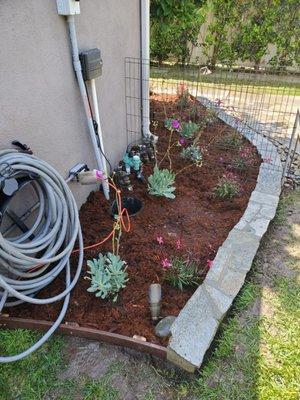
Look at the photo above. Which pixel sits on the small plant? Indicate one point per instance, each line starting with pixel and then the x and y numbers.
pixel 161 182
pixel 192 153
pixel 108 276
pixel 181 273
pixel 195 112
pixel 239 163
pixel 172 124
pixel 210 116
pixel 227 187
pixel 188 129
pixel 231 140
pixel 183 99
pixel 246 158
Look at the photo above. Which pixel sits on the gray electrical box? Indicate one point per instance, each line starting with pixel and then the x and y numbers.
pixel 91 63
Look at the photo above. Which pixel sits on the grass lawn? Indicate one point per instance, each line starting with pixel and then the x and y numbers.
pixel 250 83
pixel 255 356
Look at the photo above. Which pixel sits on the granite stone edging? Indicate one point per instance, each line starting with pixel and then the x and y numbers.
pixel 196 325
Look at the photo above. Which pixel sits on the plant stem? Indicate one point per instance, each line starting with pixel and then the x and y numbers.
pixel 184 168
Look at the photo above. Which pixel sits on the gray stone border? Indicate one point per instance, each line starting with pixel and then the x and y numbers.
pixel 197 323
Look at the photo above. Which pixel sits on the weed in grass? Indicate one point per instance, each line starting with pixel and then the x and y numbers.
pixel 100 389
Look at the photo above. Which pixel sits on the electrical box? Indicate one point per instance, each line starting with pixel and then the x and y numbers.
pixel 91 63
pixel 68 7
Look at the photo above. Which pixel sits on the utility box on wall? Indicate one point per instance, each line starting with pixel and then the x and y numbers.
pixel 51 93
pixel 91 63
pixel 68 7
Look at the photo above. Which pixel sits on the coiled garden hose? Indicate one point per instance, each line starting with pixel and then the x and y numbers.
pixel 32 260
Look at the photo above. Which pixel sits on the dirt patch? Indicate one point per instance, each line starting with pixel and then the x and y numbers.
pixel 195 216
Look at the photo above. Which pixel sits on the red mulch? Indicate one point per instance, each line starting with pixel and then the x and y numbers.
pixel 195 215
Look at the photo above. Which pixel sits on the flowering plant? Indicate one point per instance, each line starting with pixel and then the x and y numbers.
pixel 246 158
pixel 182 272
pixel 227 186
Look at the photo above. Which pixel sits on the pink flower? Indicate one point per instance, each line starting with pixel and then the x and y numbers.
pixel 160 240
pixel 268 159
pixel 209 263
pixel 181 141
pixel 100 175
pixel 218 102
pixel 175 124
pixel 178 244
pixel 166 264
pixel 221 159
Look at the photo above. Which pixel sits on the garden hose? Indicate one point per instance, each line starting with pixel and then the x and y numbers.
pixel 32 260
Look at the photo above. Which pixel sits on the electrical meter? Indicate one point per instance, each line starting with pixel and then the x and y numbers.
pixel 68 7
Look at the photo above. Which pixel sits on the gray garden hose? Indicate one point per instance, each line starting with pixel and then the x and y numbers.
pixel 55 231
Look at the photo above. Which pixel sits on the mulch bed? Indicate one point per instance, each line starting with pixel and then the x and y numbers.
pixel 195 216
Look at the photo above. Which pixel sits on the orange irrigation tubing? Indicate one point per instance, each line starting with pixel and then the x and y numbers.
pixel 121 213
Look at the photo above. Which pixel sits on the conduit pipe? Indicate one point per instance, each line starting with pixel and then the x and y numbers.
pixel 145 66
pixel 100 136
pixel 78 70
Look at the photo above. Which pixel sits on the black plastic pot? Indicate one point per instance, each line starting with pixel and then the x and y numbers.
pixel 132 205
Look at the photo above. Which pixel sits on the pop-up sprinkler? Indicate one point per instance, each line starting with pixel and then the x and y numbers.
pixel 155 300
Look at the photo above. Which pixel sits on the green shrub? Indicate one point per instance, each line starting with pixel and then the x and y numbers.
pixel 108 276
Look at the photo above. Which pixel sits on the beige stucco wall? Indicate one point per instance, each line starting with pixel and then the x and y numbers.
pixel 40 102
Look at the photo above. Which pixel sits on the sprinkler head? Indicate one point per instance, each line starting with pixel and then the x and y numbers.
pixel 155 300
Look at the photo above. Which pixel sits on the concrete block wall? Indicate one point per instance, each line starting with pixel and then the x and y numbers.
pixel 40 103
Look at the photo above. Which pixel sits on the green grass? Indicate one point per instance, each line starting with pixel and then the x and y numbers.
pixel 34 376
pixel 228 81
pixel 256 355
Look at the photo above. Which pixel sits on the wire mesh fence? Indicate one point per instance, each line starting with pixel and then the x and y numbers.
pixel 266 101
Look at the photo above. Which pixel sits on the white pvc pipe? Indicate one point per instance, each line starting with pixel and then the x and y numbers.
pixel 97 118
pixel 145 67
pixel 78 71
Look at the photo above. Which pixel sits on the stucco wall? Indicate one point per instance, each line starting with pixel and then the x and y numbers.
pixel 40 102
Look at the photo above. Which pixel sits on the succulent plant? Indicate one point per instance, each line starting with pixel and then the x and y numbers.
pixel 160 183
pixel 192 153
pixel 188 129
pixel 108 276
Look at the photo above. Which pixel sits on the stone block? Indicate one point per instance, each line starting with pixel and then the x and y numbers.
pixel 194 328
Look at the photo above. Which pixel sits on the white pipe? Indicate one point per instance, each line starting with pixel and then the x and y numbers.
pixel 97 118
pixel 78 71
pixel 145 67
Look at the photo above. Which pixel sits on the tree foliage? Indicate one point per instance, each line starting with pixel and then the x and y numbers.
pixel 243 29
pixel 240 30
pixel 174 25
